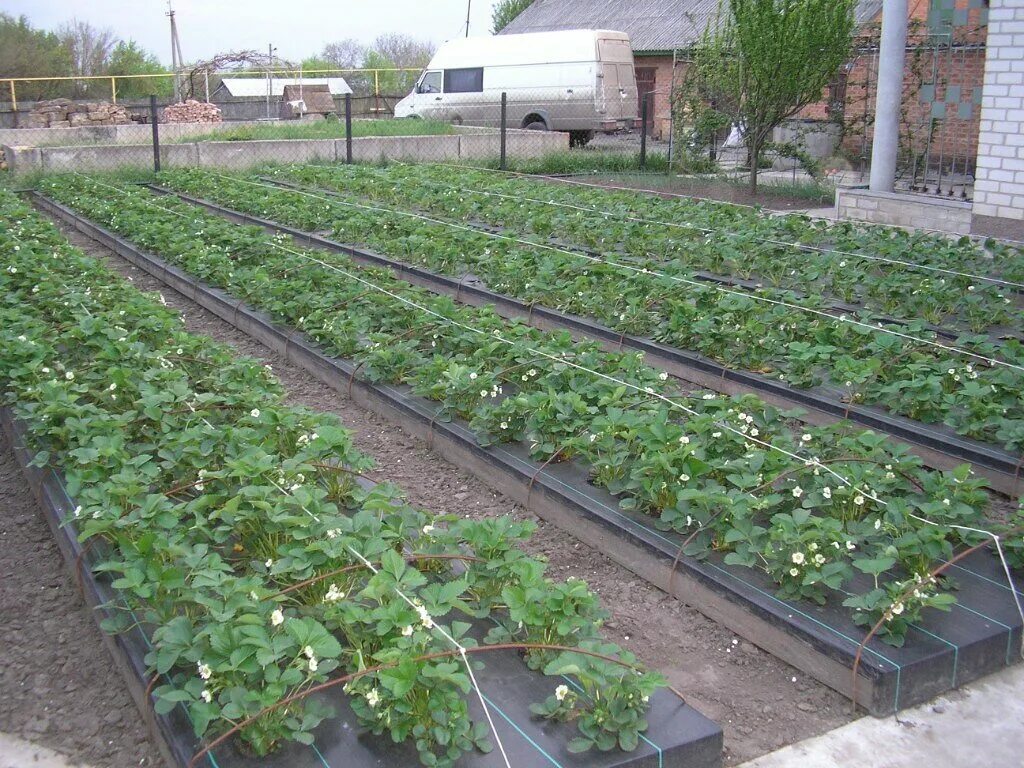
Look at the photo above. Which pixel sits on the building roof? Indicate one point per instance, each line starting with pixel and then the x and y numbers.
pixel 652 25
pixel 257 86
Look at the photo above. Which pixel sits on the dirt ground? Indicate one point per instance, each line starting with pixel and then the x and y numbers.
pixel 761 702
pixel 58 684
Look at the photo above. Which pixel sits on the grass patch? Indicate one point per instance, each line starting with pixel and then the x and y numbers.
pixel 584 161
pixel 323 129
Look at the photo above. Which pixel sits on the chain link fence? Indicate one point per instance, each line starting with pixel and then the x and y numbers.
pixel 537 130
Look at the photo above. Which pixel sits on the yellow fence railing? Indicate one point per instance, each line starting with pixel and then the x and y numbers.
pixel 380 77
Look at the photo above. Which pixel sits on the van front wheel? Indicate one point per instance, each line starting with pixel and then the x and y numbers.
pixel 580 138
pixel 536 125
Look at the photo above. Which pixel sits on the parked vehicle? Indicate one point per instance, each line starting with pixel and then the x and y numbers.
pixel 580 81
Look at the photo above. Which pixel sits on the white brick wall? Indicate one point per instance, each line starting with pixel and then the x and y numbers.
pixel 999 187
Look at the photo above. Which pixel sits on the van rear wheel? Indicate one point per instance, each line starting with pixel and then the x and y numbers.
pixel 536 125
pixel 580 138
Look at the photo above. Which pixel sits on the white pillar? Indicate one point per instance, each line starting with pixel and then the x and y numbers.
pixel 886 142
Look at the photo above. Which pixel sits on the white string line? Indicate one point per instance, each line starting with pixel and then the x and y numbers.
pixel 639 270
pixel 424 615
pixel 707 230
pixel 542 177
pixel 1002 559
pixel 442 185
pixel 812 462
pixel 807 462
pixel 712 231
pixel 419 608
pixel 428 620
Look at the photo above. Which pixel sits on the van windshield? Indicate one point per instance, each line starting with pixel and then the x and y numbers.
pixel 430 83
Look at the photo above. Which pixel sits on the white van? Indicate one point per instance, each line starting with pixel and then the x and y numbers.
pixel 580 81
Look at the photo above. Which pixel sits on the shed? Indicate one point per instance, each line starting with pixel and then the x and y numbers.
pixel 307 99
pixel 256 87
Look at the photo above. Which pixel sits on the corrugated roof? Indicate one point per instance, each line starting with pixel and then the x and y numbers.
pixel 257 86
pixel 652 25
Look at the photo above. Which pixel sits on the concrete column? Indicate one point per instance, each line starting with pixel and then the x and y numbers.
pixel 886 142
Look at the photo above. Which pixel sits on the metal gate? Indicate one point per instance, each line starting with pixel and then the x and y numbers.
pixel 941 105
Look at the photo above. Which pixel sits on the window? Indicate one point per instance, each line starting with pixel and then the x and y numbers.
pixel 464 80
pixel 431 83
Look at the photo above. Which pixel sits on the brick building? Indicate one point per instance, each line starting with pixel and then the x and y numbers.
pixel 999 184
pixel 660 31
pixel 942 91
pixel 943 77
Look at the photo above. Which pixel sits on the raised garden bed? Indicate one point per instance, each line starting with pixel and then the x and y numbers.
pixel 860 361
pixel 982 632
pixel 940 446
pixel 678 735
pixel 144 445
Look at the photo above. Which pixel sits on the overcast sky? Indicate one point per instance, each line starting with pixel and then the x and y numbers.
pixel 297 28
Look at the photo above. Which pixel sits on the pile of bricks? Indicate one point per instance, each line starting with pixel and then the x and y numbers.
pixel 192 111
pixel 64 113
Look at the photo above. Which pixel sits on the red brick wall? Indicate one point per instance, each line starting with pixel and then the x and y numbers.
pixel 952 136
pixel 663 86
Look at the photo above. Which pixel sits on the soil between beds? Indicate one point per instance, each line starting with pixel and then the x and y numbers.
pixel 760 702
pixel 58 685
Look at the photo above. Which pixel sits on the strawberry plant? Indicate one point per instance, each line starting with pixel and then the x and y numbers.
pixel 798 341
pixel 236 534
pixel 718 470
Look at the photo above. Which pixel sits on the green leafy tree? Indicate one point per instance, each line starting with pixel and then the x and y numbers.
pixel 761 61
pixel 129 58
pixel 29 52
pixel 505 11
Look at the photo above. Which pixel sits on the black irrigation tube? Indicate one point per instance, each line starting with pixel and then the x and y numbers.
pixel 938 445
pixel 980 635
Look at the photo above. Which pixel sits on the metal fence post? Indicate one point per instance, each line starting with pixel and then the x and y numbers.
pixel 643 131
pixel 153 118
pixel 348 128
pixel 504 129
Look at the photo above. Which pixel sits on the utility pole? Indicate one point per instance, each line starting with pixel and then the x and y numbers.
pixel 891 54
pixel 468 4
pixel 176 59
pixel 270 77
